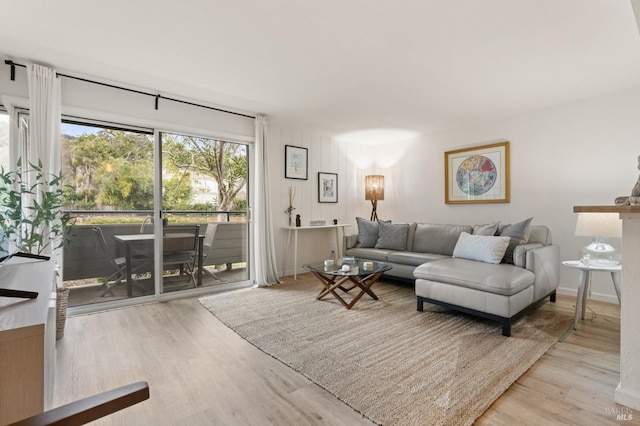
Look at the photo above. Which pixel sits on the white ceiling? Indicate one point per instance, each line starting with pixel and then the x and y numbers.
pixel 343 65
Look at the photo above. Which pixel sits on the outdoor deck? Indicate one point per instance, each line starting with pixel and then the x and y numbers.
pixel 89 292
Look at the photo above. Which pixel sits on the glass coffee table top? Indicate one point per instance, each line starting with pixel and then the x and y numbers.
pixel 359 269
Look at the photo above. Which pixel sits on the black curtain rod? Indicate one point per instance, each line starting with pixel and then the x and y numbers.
pixel 157 97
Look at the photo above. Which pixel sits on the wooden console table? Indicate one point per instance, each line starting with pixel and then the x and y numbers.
pixel 27 339
pixel 295 230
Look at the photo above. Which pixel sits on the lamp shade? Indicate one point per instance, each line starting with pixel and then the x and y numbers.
pixel 599 225
pixel 374 187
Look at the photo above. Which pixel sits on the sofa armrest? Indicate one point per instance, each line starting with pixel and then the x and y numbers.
pixel 544 262
pixel 520 253
pixel 349 241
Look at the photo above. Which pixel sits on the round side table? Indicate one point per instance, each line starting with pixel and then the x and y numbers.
pixel 585 283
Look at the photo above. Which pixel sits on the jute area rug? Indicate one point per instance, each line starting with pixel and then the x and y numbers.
pixel 394 365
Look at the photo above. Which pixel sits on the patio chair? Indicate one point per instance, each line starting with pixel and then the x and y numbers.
pixel 207 247
pixel 179 248
pixel 118 263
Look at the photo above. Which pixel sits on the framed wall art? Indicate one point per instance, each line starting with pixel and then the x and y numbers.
pixel 477 175
pixel 327 187
pixel 295 162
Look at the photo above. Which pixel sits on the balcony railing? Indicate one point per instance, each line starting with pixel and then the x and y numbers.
pixel 84 261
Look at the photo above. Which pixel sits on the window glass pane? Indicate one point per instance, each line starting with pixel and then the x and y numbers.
pixel 4 140
pixel 204 183
pixel 108 174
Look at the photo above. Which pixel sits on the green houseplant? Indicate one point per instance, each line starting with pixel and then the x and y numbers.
pixel 31 216
pixel 32 219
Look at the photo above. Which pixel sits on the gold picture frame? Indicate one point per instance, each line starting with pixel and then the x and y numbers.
pixel 477 175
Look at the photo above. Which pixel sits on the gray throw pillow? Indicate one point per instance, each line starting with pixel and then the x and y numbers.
pixel 487 230
pixel 518 233
pixel 392 236
pixel 367 233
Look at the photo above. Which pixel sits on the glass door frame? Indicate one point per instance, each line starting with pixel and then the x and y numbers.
pixel 159 212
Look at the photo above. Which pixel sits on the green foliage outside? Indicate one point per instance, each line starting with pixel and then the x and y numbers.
pixel 113 170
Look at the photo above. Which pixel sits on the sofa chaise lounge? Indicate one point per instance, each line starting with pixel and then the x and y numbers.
pixel 492 271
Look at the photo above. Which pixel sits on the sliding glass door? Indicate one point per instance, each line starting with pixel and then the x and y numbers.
pixel 204 210
pixel 108 177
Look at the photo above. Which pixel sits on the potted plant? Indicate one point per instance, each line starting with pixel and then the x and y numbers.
pixel 32 219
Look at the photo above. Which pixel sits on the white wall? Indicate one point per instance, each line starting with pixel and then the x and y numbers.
pixel 579 154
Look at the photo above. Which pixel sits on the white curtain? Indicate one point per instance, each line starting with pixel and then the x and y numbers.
pixel 44 117
pixel 266 271
pixel 43 144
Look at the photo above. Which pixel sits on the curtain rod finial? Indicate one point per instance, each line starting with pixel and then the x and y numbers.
pixel 13 68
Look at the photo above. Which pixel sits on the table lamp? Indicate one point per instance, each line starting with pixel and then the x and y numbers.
pixel 374 191
pixel 600 226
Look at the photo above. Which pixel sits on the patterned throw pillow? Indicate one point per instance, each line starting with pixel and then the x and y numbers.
pixel 518 233
pixel 392 236
pixel 482 248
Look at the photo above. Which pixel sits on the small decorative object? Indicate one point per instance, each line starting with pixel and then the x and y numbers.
pixel 327 187
pixel 349 260
pixel 346 268
pixel 634 199
pixel 289 210
pixel 335 221
pixel 295 162
pixel 298 221
pixel 368 266
pixel 635 191
pixel 317 222
pixel 374 191
pixel 477 175
pixel 328 262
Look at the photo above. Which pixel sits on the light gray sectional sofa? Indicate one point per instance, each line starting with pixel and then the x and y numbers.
pixel 492 271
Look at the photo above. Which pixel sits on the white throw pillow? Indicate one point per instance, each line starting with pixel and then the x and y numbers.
pixel 481 248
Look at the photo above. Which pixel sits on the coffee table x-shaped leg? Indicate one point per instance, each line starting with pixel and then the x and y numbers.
pixel 333 282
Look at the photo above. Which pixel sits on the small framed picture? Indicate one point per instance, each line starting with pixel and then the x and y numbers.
pixel 327 187
pixel 295 162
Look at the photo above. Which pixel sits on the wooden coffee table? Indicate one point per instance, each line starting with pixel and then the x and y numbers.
pixel 333 278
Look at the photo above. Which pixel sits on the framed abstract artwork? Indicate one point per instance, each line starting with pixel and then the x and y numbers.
pixel 477 175
pixel 327 187
pixel 295 162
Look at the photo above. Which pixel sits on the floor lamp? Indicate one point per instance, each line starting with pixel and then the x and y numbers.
pixel 374 191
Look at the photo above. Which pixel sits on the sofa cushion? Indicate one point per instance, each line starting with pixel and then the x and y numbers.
pixel 392 236
pixel 367 232
pixel 369 253
pixel 481 248
pixel 412 258
pixel 436 238
pixel 501 279
pixel 518 233
pixel 489 229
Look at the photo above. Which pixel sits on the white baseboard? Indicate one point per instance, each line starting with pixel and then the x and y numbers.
pixel 594 296
pixel 627 398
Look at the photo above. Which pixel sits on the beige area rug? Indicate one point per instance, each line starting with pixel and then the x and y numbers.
pixel 389 362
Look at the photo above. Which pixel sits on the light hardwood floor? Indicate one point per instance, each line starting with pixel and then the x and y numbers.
pixel 202 373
